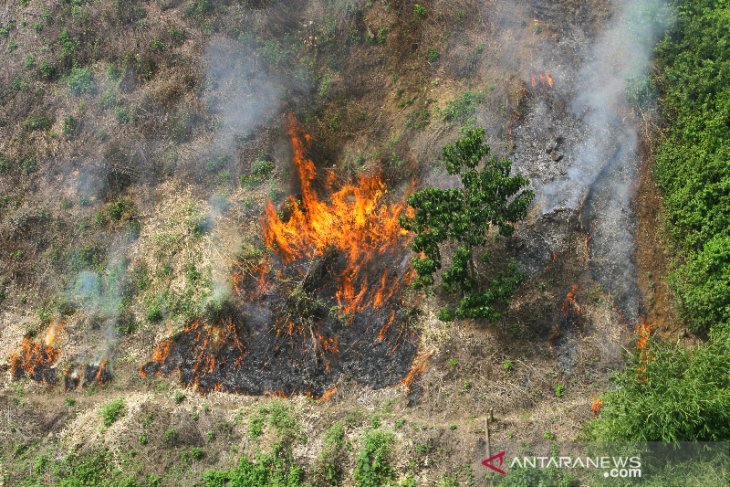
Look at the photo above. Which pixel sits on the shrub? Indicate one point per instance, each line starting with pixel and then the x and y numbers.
pixel 112 411
pixel 433 55
pixel 702 285
pixel 47 70
pixel 38 122
pixel 418 119
pixel 465 105
pixel 70 124
pixel 261 170
pixel 273 470
pixel 669 394
pixel 80 81
pixel 372 465
pixel 170 436
pixel 419 11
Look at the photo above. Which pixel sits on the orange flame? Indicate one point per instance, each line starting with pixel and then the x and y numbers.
pixel 100 372
pixel 356 221
pixel 419 366
pixel 37 357
pixel 328 393
pixel 643 332
pixel 596 405
pixel 570 298
pixel 544 79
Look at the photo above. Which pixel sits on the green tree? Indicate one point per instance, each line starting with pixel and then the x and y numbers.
pixel 489 197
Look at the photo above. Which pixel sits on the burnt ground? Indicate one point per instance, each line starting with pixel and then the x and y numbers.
pixel 562 328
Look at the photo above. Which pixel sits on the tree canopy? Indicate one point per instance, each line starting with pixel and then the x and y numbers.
pixel 489 197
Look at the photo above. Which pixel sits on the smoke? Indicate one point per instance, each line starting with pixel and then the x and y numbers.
pixel 239 92
pixel 620 55
pixel 602 175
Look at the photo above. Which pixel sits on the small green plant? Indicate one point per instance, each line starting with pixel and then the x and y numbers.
pixel 29 61
pixel 463 106
pixel 466 386
pixel 433 55
pixel 143 439
pixel 210 435
pixel 255 426
pixel 372 464
pixel 70 402
pixel 559 390
pixel 157 45
pixel 70 124
pixel 194 454
pixel 38 122
pixel 418 119
pixel 170 436
pixel 261 170
pixel 463 217
pixel 507 365
pixel 179 397
pixel 112 411
pixel 382 35
pixel 548 435
pixel 122 209
pixel 419 11
pixel 453 362
pixel 453 427
pixel 80 81
pixel 153 313
pixel 47 70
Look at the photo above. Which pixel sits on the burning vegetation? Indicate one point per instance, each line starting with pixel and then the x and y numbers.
pixel 541 78
pixel 324 304
pixel 37 358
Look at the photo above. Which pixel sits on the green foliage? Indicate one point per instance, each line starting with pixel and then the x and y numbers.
pixel 418 119
pixel 329 469
pixel 92 469
pixel 266 471
pixel 702 285
pixel 692 161
pixel 47 70
pixel 80 81
pixel 38 122
pixel 112 411
pixel 170 436
pixel 372 465
pixel 419 11
pixel 122 209
pixel 193 454
pixel 669 394
pixel 433 55
pixel 462 107
pixel 489 197
pixel 70 124
pixel 559 390
pixel 261 170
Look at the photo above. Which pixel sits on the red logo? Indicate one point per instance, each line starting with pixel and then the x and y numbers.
pixel 488 463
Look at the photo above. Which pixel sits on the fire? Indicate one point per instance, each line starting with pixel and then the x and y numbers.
pixel 311 310
pixel 570 298
pixel 596 406
pixel 544 79
pixel 643 332
pixel 328 393
pixel 206 343
pixel 355 220
pixel 419 366
pixel 37 358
